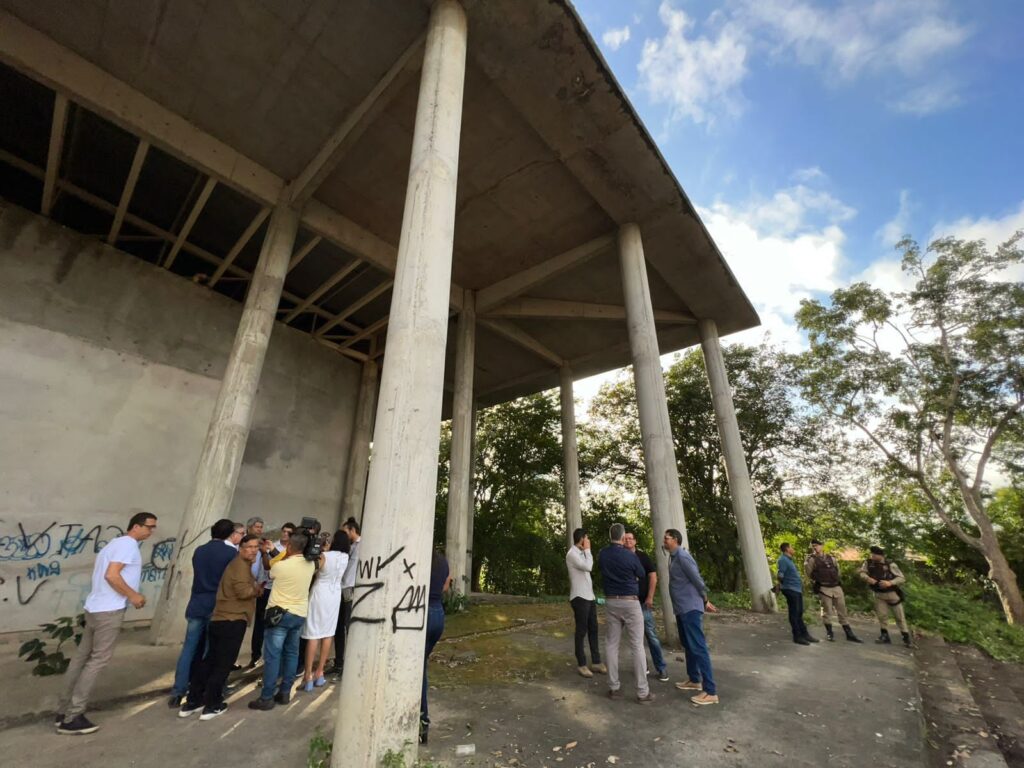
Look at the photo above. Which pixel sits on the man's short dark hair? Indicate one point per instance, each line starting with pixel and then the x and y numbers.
pixel 289 526
pixel 247 538
pixel 616 531
pixel 877 550
pixel 784 546
pixel 297 542
pixel 675 535
pixel 139 518
pixel 352 525
pixel 222 529
pixel 578 535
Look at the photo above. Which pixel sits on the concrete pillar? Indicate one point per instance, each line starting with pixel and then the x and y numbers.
pixel 221 458
pixel 461 464
pixel 570 456
pixel 359 448
pixel 380 691
pixel 755 561
pixel 655 430
pixel 471 516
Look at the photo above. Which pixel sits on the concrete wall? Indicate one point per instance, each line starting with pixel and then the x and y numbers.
pixel 109 368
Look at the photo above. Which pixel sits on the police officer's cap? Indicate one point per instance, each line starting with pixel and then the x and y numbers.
pixel 819 542
pixel 877 551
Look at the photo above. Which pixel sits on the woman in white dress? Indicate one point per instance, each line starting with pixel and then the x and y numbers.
pixel 324 604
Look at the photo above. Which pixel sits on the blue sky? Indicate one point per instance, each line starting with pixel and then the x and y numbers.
pixel 811 134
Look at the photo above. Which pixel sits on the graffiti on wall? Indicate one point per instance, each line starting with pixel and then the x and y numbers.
pixel 410 612
pixel 46 571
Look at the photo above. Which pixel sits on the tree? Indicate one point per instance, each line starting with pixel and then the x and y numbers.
pixel 772 430
pixel 930 381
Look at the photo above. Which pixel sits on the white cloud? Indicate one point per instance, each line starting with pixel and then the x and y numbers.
pixel 616 38
pixel 893 230
pixel 992 231
pixel 928 98
pixel 806 175
pixel 698 77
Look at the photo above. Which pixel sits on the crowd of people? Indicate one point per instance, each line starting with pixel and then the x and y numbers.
pixel 296 593
pixel 630 579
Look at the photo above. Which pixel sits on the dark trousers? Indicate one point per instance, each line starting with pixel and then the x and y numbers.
pixel 341 632
pixel 256 645
pixel 585 613
pixel 435 628
pixel 795 603
pixel 695 649
pixel 210 675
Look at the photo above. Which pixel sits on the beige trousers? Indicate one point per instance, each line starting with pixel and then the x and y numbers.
pixel 625 615
pixel 96 649
pixel 883 602
pixel 833 602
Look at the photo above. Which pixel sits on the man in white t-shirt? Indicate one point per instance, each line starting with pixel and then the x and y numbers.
pixel 115 584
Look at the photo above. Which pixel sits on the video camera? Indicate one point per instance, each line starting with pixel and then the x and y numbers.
pixel 310 528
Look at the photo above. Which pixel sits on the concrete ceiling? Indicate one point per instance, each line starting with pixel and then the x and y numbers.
pixel 552 157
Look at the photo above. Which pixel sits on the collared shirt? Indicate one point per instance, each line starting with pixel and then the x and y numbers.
pixel 208 564
pixel 621 571
pixel 685 585
pixel 292 577
pixel 349 579
pixel 231 544
pixel 789 576
pixel 580 563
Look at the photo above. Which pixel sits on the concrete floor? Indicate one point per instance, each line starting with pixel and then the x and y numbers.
pixel 782 704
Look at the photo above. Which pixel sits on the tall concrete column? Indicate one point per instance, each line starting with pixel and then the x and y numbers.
pixel 570 455
pixel 380 692
pixel 655 430
pixel 755 561
pixel 461 464
pixel 221 458
pixel 471 516
pixel 359 448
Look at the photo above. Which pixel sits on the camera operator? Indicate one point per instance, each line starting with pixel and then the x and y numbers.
pixel 285 617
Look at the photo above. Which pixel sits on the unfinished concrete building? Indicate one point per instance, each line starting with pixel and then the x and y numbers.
pixel 238 239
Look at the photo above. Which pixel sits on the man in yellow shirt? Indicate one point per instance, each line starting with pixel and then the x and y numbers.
pixel 285 617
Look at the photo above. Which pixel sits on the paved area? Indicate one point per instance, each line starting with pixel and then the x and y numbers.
pixel 514 695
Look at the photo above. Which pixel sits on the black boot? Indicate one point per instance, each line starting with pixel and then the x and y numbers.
pixel 829 634
pixel 849 634
pixel 801 641
pixel 810 639
pixel 906 640
pixel 883 638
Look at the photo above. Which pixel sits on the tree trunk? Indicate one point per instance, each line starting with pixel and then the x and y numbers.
pixel 1005 580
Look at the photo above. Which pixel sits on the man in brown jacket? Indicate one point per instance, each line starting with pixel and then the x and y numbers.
pixel 236 604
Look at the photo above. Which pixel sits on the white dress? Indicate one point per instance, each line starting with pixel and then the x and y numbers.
pixel 325 598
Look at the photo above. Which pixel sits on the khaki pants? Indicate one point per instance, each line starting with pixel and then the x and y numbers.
pixel 883 602
pixel 96 649
pixel 833 602
pixel 619 615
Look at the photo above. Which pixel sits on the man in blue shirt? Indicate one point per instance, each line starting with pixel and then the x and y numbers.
pixel 792 589
pixel 208 564
pixel 689 601
pixel 621 573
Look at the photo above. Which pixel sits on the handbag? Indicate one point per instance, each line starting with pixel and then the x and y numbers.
pixel 273 615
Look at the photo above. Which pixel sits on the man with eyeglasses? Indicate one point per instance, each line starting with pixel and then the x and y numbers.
pixel 115 583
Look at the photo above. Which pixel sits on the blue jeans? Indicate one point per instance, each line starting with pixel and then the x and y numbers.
pixel 435 628
pixel 695 647
pixel 281 654
pixel 193 650
pixel 652 639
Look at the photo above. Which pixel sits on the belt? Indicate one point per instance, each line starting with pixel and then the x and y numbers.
pixel 621 597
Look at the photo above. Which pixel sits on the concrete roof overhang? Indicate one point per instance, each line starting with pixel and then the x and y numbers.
pixel 183 123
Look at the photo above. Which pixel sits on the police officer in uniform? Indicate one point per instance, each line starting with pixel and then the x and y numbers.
pixel 823 571
pixel 885 578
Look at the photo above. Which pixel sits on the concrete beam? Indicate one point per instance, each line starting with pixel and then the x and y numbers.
pixel 240 243
pixel 329 283
pixel 518 336
pixel 519 283
pixel 193 217
pixel 570 455
pixel 556 309
pixel 129 189
pixel 359 447
pixel 355 306
pixel 356 122
pixel 461 464
pixel 304 251
pixel 58 127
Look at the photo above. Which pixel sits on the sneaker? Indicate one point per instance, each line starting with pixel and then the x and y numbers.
pixel 79 725
pixel 645 699
pixel 584 672
pixel 616 694
pixel 689 685
pixel 703 699
pixel 175 701
pixel 600 668
pixel 188 709
pixel 211 712
pixel 663 676
pixel 254 663
pixel 262 704
pixel 58 719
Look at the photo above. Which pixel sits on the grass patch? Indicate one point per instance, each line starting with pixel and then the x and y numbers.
pixel 487 618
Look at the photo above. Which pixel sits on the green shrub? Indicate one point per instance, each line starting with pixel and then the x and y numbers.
pixel 54 662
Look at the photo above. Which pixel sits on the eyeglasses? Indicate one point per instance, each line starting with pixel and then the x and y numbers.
pixel 151 527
